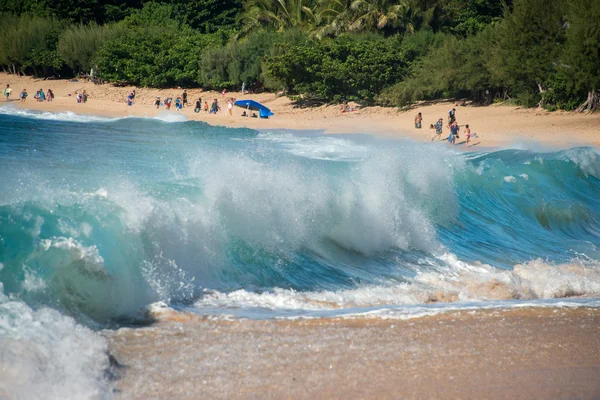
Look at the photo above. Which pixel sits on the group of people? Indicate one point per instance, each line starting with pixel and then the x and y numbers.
pixel 81 97
pixel 181 101
pixel 452 126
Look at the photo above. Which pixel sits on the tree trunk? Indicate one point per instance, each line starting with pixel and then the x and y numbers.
pixel 542 91
pixel 592 103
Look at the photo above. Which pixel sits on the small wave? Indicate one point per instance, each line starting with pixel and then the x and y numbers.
pixel 66 116
pixel 458 282
pixel 510 179
pixel 166 116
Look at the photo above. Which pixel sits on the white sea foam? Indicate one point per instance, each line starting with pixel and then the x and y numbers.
pixel 67 116
pixel 319 147
pixel 166 116
pixel 457 282
pixel 46 355
pixel 510 179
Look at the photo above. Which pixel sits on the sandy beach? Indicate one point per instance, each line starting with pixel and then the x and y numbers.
pixel 493 126
pixel 496 354
pixel 171 205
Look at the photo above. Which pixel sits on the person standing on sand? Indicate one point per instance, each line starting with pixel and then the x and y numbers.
pixel 439 126
pixel 23 95
pixel 418 121
pixel 198 106
pixel 7 91
pixel 230 106
pixel 206 106
pixel 243 87
pixel 168 101
pixel 49 95
pixel 184 97
pixel 84 96
pixel 214 108
pixel 130 99
pixel 157 102
pixel 133 96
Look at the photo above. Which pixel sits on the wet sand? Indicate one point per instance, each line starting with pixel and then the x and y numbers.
pixel 531 353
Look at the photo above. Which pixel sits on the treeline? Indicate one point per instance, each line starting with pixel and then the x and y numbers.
pixel 531 52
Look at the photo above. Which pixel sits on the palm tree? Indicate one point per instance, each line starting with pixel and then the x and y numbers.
pixel 279 14
pixel 363 15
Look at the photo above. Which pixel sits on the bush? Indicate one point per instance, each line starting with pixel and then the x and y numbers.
pixel 78 44
pixel 242 61
pixel 347 67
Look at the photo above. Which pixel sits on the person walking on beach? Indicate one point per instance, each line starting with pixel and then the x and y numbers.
pixel 49 95
pixel 198 106
pixel 178 103
pixel 130 99
pixel 7 91
pixel 418 121
pixel 168 101
pixel 439 126
pixel 468 134
pixel 453 133
pixel 157 102
pixel 452 116
pixel 184 97
pixel 23 95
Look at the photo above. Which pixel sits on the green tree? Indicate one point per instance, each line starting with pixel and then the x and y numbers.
pixel 581 60
pixel 78 44
pixel 278 14
pixel 529 43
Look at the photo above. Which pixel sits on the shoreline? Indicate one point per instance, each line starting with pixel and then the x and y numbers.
pixel 543 353
pixel 495 126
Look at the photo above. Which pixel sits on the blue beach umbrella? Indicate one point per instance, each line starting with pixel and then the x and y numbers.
pixel 263 111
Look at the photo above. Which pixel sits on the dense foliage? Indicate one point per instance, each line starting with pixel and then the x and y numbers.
pixel 532 52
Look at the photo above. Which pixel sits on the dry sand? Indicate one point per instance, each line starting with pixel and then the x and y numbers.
pixel 494 126
pixel 532 353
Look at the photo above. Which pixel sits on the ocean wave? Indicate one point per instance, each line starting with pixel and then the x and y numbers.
pixel 457 282
pixel 44 354
pixel 65 116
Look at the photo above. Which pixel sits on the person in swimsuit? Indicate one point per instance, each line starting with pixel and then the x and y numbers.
pixel 468 133
pixel 184 97
pixel 453 133
pixel 198 106
pixel 418 121
pixel 157 102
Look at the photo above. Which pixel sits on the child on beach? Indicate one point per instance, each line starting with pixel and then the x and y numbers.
pixel 206 106
pixel 49 95
pixel 23 95
pixel 168 102
pixel 178 103
pixel 157 102
pixel 468 133
pixel 7 91
pixel 230 106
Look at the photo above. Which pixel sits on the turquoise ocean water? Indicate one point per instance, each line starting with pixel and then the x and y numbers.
pixel 101 218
